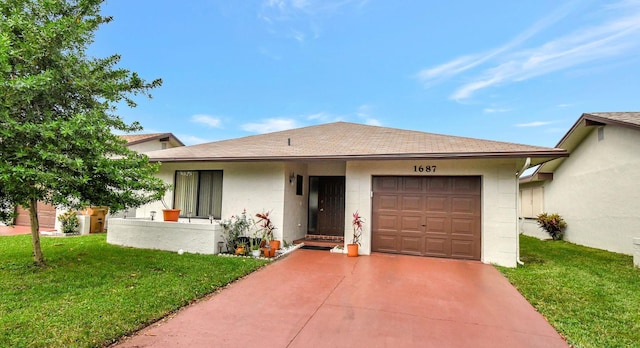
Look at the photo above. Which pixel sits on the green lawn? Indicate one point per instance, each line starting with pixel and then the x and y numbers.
pixel 591 296
pixel 92 293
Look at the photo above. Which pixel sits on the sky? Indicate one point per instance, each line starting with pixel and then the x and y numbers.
pixel 515 71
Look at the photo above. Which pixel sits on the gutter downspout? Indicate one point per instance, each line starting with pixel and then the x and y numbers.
pixel 526 165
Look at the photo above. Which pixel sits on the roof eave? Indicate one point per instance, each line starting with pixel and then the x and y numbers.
pixel 545 155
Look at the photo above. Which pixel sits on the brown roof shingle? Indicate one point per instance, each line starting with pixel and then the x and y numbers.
pixel 342 140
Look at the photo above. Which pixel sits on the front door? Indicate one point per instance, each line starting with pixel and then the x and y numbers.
pixel 326 205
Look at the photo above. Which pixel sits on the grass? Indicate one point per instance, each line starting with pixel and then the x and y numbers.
pixel 591 296
pixel 91 293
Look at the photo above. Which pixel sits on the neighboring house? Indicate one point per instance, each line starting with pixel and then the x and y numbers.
pixel 47 214
pixel 420 193
pixel 597 189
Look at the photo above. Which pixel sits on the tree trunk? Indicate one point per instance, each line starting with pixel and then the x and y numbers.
pixel 35 233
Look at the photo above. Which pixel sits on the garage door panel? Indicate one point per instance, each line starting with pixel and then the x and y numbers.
pixel 437 247
pixel 46 216
pixel 385 243
pixel 388 202
pixel 387 222
pixel 411 203
pixel 463 227
pixel 386 184
pixel 465 185
pixel 437 225
pixel 464 205
pixel 435 216
pixel 438 184
pixel 437 204
pixel 463 249
pixel 411 224
pixel 411 245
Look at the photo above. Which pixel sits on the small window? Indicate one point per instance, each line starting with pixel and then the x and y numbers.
pixel 299 185
pixel 600 133
pixel 198 193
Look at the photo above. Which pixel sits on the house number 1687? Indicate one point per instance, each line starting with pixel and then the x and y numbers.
pixel 424 169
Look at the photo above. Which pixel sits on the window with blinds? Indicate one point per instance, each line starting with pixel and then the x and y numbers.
pixel 198 193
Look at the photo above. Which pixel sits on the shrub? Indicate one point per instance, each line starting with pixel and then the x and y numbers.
pixel 553 224
pixel 235 228
pixel 70 223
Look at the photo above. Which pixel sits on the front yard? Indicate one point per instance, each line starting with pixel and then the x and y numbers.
pixel 91 292
pixel 591 296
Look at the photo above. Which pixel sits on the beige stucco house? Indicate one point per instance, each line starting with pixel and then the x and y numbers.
pixel 420 193
pixel 597 189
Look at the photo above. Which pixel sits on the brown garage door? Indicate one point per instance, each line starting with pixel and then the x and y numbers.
pixel 428 216
pixel 46 216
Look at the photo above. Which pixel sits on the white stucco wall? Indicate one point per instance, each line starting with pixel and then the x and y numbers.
pixel 597 191
pixel 499 203
pixel 262 186
pixel 254 186
pixel 200 238
pixel 151 145
pixel 296 207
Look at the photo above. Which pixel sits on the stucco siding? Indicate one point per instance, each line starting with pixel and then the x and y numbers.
pixel 499 205
pixel 597 191
pixel 254 186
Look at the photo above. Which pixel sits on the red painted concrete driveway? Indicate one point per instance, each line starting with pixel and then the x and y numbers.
pixel 318 299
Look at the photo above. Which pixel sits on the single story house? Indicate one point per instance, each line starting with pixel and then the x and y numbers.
pixel 420 193
pixel 47 214
pixel 597 189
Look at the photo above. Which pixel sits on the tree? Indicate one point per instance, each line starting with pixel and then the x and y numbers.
pixel 57 114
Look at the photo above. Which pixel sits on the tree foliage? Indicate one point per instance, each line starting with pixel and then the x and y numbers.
pixel 57 113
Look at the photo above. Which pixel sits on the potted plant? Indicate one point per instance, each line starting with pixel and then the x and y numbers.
pixel 267 228
pixel 169 214
pixel 255 247
pixel 357 222
pixel 236 229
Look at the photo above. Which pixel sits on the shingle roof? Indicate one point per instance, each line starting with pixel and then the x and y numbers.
pixel 342 140
pixel 580 130
pixel 140 138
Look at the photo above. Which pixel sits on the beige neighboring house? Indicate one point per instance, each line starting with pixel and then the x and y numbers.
pixel 47 214
pixel 597 189
pixel 420 193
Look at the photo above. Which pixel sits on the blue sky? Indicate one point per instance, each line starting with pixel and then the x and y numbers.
pixel 517 71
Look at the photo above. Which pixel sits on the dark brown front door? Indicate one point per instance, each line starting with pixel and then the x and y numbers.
pixel 428 216
pixel 326 205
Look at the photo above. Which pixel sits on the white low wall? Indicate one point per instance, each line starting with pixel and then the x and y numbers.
pixel 529 227
pixel 197 237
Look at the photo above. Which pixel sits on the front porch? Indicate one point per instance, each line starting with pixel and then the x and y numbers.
pixel 320 241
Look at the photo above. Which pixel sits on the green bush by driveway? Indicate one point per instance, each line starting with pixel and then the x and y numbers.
pixel 91 292
pixel 591 296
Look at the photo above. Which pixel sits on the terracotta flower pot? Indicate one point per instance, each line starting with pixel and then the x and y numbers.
pixel 275 245
pixel 240 250
pixel 352 250
pixel 170 214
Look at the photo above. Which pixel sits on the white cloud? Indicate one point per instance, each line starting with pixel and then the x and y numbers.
pixel 211 121
pixel 616 36
pixel 535 124
pixel 192 140
pixel 364 110
pixel 494 110
pixel 373 122
pixel 302 19
pixel 564 105
pixel 270 125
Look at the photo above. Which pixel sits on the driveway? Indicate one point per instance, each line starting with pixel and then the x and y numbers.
pixel 319 299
